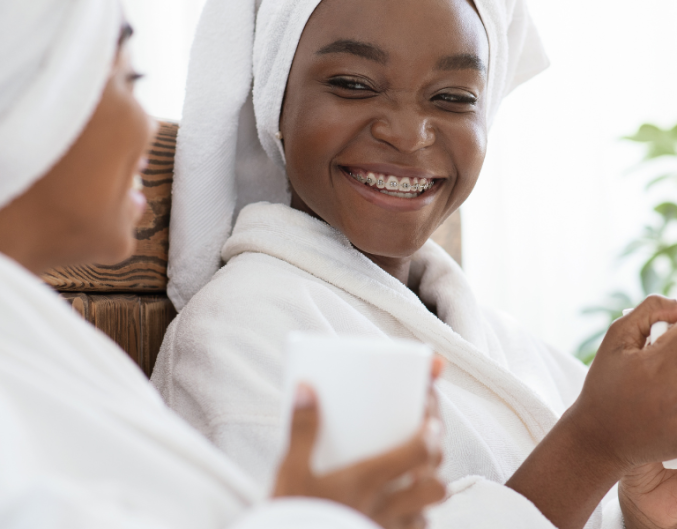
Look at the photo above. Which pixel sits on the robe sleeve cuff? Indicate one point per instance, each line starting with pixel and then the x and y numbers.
pixel 303 513
pixel 476 502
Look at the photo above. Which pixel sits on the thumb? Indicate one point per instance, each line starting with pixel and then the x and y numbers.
pixel 304 427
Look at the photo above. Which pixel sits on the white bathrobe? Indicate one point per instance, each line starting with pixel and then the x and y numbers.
pixel 86 442
pixel 220 366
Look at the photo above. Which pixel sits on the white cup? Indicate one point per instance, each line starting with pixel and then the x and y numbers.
pixel 371 393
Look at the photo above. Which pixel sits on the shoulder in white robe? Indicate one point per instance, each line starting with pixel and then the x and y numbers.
pixel 85 441
pixel 221 363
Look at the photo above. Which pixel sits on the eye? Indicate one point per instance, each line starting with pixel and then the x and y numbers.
pixel 134 77
pixel 456 102
pixel 351 87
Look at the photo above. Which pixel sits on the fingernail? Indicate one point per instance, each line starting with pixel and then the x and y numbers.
pixel 432 436
pixel 304 397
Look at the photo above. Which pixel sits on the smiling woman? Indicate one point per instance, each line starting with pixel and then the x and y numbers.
pixel 367 125
pixel 338 135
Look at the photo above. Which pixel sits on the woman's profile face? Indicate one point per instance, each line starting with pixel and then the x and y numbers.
pixel 384 118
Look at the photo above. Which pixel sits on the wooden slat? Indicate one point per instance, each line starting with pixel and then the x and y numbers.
pixel 79 302
pixel 146 270
pixel 136 323
pixel 157 312
pixel 448 236
pixel 119 316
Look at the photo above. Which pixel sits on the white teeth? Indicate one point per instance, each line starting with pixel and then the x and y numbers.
pixel 399 195
pixel 392 183
pixel 405 185
pixel 394 186
pixel 137 183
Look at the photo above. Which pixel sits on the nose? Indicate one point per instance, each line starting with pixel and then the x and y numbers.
pixel 405 130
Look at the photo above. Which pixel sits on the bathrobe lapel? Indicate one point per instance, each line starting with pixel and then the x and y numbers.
pixel 477 351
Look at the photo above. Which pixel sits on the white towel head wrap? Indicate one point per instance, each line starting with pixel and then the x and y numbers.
pixel 228 154
pixel 56 56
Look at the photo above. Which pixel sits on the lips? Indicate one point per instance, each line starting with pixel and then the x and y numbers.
pixel 396 185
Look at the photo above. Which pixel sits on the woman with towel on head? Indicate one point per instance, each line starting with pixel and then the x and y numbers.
pixel 85 440
pixel 334 137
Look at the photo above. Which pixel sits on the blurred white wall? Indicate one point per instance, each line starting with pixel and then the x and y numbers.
pixel 554 206
pixel 163 33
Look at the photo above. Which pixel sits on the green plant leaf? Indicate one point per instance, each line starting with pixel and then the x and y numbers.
pixel 667 210
pixel 645 133
pixel 660 142
pixel 661 178
pixel 592 341
pixel 633 246
pixel 587 357
pixel 658 272
pixel 649 278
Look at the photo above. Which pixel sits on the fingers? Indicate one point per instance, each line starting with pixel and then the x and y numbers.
pixel 304 428
pixel 432 409
pixel 437 367
pixel 635 327
pixel 417 521
pixel 409 502
pixel 423 450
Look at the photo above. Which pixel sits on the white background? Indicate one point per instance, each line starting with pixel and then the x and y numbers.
pixel 556 203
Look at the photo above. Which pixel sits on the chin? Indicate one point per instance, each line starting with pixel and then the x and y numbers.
pixel 117 249
pixel 388 248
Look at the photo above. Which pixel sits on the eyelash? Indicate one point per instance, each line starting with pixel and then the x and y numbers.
pixel 463 99
pixel 134 77
pixel 348 83
pixel 351 84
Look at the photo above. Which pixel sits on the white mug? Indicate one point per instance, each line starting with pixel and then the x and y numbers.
pixel 371 393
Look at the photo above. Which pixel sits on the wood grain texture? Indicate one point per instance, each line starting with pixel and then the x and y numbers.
pixel 146 270
pixel 157 312
pixel 448 236
pixel 137 323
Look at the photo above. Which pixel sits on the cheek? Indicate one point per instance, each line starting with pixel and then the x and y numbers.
pixel 112 213
pixel 467 145
pixel 315 134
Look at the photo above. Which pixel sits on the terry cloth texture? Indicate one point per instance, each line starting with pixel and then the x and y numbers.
pixel 221 363
pixel 85 441
pixel 56 57
pixel 227 152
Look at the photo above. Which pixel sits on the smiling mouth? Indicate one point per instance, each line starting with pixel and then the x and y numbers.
pixel 391 185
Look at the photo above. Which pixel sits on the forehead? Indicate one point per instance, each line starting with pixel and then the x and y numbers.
pixel 407 30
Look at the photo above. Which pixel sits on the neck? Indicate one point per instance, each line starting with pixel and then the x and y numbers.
pixel 398 267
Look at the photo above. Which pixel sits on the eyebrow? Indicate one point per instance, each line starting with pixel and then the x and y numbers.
pixel 354 47
pixel 461 61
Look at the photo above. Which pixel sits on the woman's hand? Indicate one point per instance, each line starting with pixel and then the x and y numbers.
pixel 370 486
pixel 648 497
pixel 630 395
pixel 624 418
